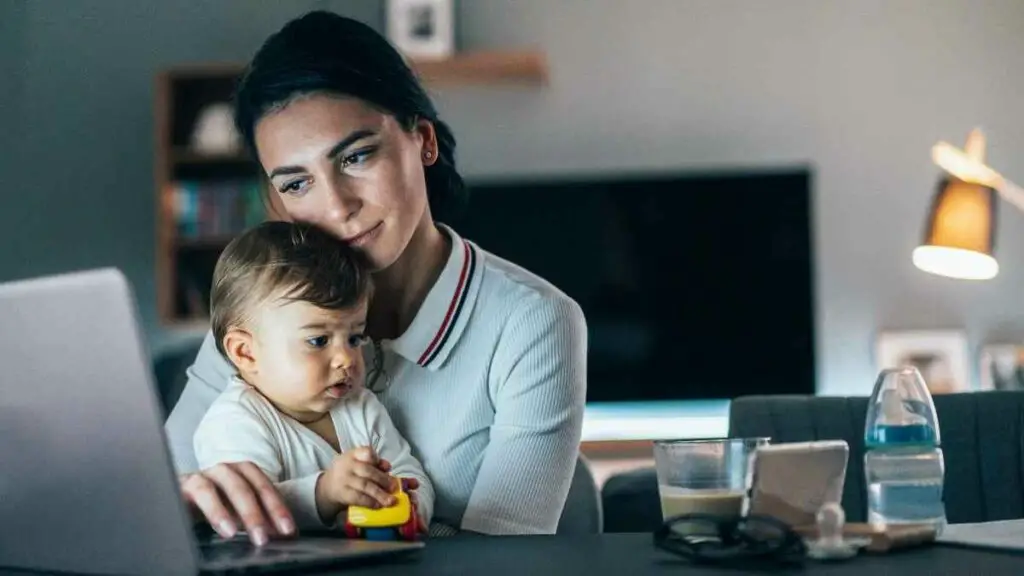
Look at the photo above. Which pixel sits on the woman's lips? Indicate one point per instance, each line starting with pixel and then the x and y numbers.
pixel 365 237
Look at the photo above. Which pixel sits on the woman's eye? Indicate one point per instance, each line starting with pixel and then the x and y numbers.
pixel 317 341
pixel 358 157
pixel 295 187
pixel 357 340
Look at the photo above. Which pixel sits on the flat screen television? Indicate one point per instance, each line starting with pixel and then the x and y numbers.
pixel 694 286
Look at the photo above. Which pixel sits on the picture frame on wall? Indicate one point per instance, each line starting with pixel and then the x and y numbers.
pixel 422 29
pixel 1001 367
pixel 941 356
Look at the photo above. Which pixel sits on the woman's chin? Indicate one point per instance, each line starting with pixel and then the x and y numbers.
pixel 379 257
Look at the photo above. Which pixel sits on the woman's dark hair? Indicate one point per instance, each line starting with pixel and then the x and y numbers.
pixel 322 52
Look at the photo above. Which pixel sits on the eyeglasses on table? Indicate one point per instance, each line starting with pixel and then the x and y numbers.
pixel 749 540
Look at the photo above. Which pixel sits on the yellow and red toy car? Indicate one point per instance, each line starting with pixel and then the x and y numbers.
pixel 399 521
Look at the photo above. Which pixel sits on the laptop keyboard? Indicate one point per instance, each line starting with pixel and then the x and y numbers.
pixel 239 554
pixel 221 551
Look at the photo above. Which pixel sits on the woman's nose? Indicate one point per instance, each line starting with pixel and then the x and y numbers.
pixel 342 203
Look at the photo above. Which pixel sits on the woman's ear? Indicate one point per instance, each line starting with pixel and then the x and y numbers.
pixel 428 138
pixel 239 346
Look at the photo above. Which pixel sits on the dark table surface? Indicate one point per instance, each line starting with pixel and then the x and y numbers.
pixel 635 555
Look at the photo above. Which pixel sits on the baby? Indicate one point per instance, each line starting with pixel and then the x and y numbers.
pixel 289 312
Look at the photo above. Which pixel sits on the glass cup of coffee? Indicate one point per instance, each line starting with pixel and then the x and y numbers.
pixel 704 476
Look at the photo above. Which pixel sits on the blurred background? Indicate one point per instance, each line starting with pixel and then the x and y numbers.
pixel 783 146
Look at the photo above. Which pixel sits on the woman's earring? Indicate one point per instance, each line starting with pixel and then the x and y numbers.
pixel 428 155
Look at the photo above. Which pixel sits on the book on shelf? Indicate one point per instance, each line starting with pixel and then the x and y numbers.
pixel 216 210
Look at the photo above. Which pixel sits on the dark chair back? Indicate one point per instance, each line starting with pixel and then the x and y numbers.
pixel 982 445
pixel 582 512
pixel 169 369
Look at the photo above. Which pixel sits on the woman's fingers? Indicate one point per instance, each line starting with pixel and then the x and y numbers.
pixel 201 493
pixel 269 498
pixel 242 498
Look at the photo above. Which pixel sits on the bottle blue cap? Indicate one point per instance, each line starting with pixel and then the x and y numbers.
pixel 901 411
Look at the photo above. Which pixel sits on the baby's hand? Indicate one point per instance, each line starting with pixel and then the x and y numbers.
pixel 356 478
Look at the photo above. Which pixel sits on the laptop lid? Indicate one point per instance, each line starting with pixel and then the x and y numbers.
pixel 86 480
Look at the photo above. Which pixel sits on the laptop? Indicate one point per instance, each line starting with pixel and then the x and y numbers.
pixel 86 479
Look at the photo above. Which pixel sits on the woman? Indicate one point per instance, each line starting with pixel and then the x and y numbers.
pixel 481 364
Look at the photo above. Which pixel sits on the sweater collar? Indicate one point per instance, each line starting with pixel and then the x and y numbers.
pixel 444 314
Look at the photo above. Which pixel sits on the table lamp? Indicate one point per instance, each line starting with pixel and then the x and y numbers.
pixel 959 239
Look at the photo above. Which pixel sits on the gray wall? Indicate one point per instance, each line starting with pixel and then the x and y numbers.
pixel 860 90
pixel 12 55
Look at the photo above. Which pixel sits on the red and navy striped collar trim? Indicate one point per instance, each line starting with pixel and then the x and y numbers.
pixel 446 309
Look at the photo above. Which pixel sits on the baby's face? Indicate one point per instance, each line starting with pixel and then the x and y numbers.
pixel 307 358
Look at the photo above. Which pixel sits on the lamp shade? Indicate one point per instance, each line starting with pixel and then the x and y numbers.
pixel 959 236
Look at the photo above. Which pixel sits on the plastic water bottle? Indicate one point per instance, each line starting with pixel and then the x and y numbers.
pixel 903 459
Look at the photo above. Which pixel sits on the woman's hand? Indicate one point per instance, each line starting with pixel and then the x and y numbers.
pixel 228 493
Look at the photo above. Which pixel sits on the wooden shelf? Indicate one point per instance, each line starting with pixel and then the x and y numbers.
pixel 617 448
pixel 203 242
pixel 191 324
pixel 526 67
pixel 471 67
pixel 204 70
pixel 184 156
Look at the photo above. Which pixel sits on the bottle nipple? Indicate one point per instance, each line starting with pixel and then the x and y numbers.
pixel 830 543
pixel 830 520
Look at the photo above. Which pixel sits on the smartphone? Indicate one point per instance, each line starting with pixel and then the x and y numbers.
pixel 793 481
